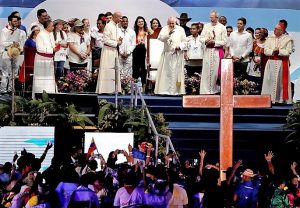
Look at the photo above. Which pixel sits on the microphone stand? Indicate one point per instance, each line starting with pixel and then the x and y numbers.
pixel 12 60
pixel 116 82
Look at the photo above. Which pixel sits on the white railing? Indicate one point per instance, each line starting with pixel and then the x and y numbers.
pixel 137 93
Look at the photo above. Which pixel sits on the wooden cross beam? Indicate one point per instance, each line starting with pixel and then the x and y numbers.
pixel 226 102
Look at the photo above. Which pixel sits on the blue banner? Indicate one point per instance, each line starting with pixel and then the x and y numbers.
pixel 272 4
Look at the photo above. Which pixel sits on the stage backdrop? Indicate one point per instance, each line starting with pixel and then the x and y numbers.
pixel 33 139
pixel 259 13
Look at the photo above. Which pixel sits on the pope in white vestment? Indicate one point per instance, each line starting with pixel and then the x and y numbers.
pixel 109 58
pixel 277 83
pixel 214 37
pixel 170 72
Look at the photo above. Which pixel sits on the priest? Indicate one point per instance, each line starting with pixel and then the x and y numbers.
pixel 277 81
pixel 109 57
pixel 214 37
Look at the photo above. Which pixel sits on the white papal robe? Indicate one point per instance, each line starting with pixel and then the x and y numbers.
pixel 170 72
pixel 108 61
pixel 211 58
pixel 272 83
pixel 43 75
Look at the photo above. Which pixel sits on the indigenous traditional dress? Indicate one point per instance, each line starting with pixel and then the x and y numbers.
pixel 29 55
pixel 277 81
pixel 212 56
pixel 43 77
pixel 194 50
pixel 170 72
pixel 257 64
pixel 109 59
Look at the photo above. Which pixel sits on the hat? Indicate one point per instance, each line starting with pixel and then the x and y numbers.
pixel 57 21
pixel 78 23
pixel 184 16
pixel 248 172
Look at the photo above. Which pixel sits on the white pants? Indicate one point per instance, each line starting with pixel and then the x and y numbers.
pixel 7 67
pixel 126 65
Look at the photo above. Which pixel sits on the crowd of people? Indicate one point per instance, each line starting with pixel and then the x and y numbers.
pixel 79 180
pixel 53 46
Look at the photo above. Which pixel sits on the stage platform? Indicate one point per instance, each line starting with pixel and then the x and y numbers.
pixel 255 130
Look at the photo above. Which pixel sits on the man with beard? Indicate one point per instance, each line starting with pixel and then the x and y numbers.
pixel 11 37
pixel 126 48
pixel 43 17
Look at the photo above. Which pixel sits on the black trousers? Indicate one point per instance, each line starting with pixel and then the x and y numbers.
pixel 240 69
pixel 74 66
pixel 191 70
pixel 138 63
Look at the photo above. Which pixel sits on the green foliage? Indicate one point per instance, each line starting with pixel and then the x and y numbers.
pixel 76 117
pixel 41 112
pixel 293 123
pixel 127 119
pixel 4 112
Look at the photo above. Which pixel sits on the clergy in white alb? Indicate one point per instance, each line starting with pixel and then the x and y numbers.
pixel 126 48
pixel 170 72
pixel 110 58
pixel 43 76
pixel 277 83
pixel 11 36
pixel 214 37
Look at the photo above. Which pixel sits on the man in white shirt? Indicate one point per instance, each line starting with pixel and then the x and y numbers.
pixel 193 51
pixel 43 17
pixel 10 36
pixel 240 46
pixel 126 48
pixel 214 37
pixel 79 47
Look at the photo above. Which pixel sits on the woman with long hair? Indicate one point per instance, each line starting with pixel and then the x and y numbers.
pixel 97 42
pixel 29 55
pixel 60 38
pixel 139 53
pixel 155 23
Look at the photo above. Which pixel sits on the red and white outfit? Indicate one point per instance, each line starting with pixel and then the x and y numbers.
pixel 277 81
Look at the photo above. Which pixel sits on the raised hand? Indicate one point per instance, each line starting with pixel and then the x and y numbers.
pixel 238 164
pixel 202 154
pixel 269 156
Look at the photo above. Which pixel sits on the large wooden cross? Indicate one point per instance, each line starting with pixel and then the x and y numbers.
pixel 226 102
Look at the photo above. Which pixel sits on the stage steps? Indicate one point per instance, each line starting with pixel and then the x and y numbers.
pixel 255 130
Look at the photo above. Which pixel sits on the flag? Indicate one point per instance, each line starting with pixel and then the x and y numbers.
pixel 91 149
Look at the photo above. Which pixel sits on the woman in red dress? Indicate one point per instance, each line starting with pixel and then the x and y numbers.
pixel 26 72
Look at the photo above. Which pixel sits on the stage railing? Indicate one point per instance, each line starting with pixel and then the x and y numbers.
pixel 136 93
